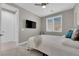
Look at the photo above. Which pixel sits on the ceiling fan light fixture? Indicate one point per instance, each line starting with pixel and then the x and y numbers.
pixel 44 6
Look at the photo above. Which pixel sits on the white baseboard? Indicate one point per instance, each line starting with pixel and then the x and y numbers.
pixel 22 43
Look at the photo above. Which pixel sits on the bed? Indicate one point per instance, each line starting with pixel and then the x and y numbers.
pixel 54 45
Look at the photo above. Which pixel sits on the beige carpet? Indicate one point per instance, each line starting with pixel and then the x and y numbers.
pixel 20 51
pixel 8 45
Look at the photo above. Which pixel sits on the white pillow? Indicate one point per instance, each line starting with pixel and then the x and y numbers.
pixel 73 33
pixel 71 43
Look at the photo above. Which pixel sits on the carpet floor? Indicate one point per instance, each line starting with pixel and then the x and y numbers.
pixel 21 51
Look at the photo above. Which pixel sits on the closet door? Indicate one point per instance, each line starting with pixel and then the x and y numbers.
pixel 8 24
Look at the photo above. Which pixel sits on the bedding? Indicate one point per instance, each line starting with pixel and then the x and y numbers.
pixel 73 33
pixel 71 43
pixel 76 35
pixel 35 41
pixel 52 45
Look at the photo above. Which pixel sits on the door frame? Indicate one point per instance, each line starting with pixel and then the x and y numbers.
pixel 2 6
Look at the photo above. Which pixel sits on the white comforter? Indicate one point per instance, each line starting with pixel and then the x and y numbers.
pixel 52 45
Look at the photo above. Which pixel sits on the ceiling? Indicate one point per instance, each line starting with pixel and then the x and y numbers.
pixel 51 8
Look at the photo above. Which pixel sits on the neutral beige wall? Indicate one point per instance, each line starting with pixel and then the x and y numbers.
pixel 23 15
pixel 24 35
pixel 67 22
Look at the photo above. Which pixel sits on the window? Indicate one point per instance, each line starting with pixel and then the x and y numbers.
pixel 54 24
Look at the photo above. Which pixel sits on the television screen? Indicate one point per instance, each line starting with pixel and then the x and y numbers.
pixel 30 24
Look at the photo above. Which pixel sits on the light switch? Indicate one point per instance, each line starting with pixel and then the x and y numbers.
pixel 22 29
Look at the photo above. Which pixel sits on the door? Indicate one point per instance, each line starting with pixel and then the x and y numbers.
pixel 9 29
pixel 7 26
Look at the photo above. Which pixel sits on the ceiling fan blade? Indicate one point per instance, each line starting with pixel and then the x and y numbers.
pixel 38 4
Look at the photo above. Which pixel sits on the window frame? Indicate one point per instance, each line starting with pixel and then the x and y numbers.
pixel 47 30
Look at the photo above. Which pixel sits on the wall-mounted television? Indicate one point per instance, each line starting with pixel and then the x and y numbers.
pixel 30 24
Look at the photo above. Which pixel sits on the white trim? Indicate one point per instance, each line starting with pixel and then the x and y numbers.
pixel 23 43
pixel 17 14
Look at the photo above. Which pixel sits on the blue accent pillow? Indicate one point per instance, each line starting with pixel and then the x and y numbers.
pixel 69 34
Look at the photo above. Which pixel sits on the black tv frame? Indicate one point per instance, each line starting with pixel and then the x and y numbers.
pixel 30 24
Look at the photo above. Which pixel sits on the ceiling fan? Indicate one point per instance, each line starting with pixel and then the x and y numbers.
pixel 43 5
